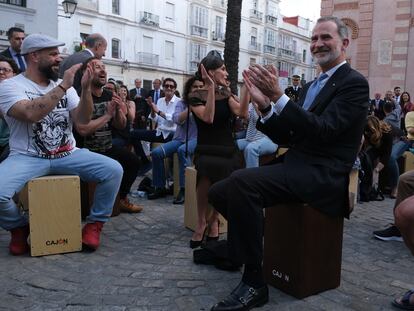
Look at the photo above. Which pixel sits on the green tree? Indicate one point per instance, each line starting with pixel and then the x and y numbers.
pixel 231 48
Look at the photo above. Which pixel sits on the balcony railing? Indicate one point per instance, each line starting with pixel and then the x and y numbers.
pixel 222 4
pixel 285 53
pixel 199 31
pixel 147 58
pixel 271 20
pixel 217 36
pixel 149 19
pixel 194 65
pixel 254 46
pixel 255 14
pixel 269 49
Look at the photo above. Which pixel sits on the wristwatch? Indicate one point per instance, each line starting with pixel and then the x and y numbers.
pixel 159 112
pixel 266 110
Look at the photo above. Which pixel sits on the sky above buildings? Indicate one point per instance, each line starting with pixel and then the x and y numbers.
pixel 306 8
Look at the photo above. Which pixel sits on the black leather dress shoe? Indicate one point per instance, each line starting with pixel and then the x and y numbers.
pixel 158 193
pixel 180 197
pixel 243 298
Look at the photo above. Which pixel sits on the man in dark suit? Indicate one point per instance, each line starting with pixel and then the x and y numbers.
pixel 156 93
pixel 293 91
pixel 323 132
pixel 95 47
pixel 142 109
pixel 15 35
pixel 376 106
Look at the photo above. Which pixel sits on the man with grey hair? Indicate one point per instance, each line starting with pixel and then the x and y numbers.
pixel 323 132
pixel 95 47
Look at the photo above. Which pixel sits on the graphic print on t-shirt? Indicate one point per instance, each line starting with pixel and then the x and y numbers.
pixel 50 136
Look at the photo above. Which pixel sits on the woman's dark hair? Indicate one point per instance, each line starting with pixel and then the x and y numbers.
pixel 11 62
pixel 212 61
pixel 187 87
pixel 409 97
pixel 123 86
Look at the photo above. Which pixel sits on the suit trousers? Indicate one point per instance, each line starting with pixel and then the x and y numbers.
pixel 241 198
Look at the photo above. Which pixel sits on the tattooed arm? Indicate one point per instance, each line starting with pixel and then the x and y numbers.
pixel 36 109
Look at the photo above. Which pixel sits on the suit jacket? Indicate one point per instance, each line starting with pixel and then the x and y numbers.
pixel 151 93
pixel 142 110
pixel 323 141
pixel 379 113
pixel 75 58
pixel 6 53
pixel 294 95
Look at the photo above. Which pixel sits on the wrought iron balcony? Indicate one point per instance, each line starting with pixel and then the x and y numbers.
pixel 147 58
pixel 218 36
pixel 256 15
pixel 199 31
pixel 149 19
pixel 269 49
pixel 271 20
pixel 254 46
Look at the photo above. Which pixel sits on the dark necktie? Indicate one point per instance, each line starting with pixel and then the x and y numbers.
pixel 156 96
pixel 22 67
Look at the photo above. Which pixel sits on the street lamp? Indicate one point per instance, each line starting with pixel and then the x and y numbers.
pixel 69 7
pixel 125 65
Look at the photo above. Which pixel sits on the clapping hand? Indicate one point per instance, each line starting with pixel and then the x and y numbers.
pixel 208 81
pixel 267 80
pixel 256 95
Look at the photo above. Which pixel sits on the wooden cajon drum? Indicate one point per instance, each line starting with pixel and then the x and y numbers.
pixel 87 196
pixel 302 249
pixel 353 187
pixel 408 161
pixel 53 204
pixel 190 203
pixel 280 151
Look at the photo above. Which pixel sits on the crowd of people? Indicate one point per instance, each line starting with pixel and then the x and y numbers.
pixel 66 117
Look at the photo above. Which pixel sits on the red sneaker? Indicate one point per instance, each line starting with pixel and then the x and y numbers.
pixel 18 244
pixel 91 234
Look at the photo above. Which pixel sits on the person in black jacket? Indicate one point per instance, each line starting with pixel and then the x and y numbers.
pixel 323 132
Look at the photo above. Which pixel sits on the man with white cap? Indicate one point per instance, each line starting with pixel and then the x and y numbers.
pixel 40 110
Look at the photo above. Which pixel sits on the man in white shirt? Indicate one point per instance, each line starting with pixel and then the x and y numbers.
pixel 161 114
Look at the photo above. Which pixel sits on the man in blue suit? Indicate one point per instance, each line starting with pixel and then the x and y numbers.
pixel 323 132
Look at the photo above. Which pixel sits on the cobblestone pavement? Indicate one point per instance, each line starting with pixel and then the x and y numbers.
pixel 145 263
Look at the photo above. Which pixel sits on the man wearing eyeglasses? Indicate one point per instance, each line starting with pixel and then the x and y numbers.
pixel 161 114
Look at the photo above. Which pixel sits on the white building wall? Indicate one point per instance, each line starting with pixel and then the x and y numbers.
pixel 36 17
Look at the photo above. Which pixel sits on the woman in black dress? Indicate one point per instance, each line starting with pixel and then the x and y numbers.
pixel 216 155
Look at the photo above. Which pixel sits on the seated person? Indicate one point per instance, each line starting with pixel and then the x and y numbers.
pixel 40 111
pixel 120 137
pixel 161 113
pixel 404 226
pixel 256 143
pixel 8 69
pixel 109 111
pixel 177 144
pixel 376 151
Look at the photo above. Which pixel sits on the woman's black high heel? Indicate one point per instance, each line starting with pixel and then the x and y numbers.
pixel 195 244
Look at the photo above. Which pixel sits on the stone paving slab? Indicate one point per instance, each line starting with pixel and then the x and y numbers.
pixel 145 264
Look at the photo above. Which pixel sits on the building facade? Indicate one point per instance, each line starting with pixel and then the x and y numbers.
pixel 150 39
pixel 382 40
pixel 31 15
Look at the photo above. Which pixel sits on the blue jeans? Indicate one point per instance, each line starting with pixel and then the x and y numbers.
pixel 397 151
pixel 165 150
pixel 18 169
pixel 253 149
